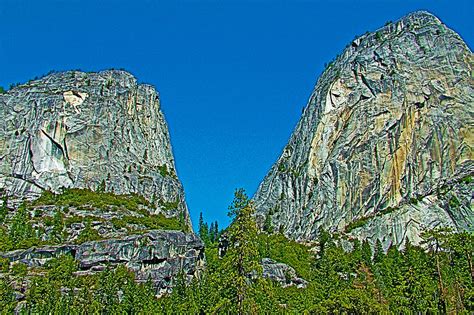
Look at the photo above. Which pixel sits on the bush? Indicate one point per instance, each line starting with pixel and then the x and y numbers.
pixel 19 269
pixel 88 234
pixel 356 224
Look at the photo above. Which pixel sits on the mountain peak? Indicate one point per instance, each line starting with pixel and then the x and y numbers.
pixel 75 129
pixel 386 127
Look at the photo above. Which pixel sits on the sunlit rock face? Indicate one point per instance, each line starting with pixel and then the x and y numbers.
pixel 76 129
pixel 384 148
pixel 157 256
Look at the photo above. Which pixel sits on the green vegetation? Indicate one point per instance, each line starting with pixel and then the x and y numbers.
pixel 357 223
pixel 88 234
pixel 2 90
pixel 171 205
pixel 3 209
pixel 467 179
pixel 436 279
pixel 163 169
pixel 151 222
pixel 209 235
pixel 24 230
pixel 454 202
pixel 86 198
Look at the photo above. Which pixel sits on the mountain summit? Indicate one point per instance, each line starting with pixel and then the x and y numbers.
pixel 384 148
pixel 78 130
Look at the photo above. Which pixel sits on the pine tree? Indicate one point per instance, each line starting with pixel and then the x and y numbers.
pixel 203 230
pixel 379 253
pixel 211 233
pixel 101 187
pixel 366 253
pixel 4 209
pixel 242 257
pixel 216 232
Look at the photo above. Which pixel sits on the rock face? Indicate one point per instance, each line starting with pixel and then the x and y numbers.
pixel 384 149
pixel 104 138
pixel 76 129
pixel 282 273
pixel 156 255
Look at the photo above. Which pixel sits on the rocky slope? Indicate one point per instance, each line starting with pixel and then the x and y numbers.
pixel 156 256
pixel 384 149
pixel 76 129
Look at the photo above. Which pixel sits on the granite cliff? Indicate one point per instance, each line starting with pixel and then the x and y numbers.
pixel 75 130
pixel 87 171
pixel 384 148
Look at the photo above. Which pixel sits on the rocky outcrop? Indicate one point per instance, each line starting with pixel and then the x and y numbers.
pixel 384 149
pixel 158 256
pixel 282 273
pixel 76 129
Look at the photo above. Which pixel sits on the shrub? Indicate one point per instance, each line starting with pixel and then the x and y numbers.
pixel 19 269
pixel 88 234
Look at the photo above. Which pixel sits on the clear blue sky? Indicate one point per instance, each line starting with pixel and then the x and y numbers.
pixel 233 75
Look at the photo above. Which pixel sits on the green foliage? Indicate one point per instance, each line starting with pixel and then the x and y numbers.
pixel 2 90
pixel 282 167
pixel 85 198
pixel 19 269
pixel 454 202
pixel 88 233
pixel 409 281
pixel 4 264
pixel 109 292
pixel 209 235
pixel 203 229
pixel 163 169
pixel 3 209
pixel 151 222
pixel 101 187
pixel 467 179
pixel 435 279
pixel 168 205
pixel 7 296
pixel 281 249
pixel 267 225
pixel 241 258
pixel 356 224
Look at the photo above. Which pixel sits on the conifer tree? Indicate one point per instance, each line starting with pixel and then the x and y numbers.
pixel 203 230
pixel 242 258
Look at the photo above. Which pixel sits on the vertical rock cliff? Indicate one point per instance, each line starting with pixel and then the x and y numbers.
pixel 87 170
pixel 76 129
pixel 384 149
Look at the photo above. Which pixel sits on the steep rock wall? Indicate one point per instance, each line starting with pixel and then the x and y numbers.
pixel 385 145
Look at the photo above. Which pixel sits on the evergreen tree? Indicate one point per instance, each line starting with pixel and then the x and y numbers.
pixel 242 258
pixel 203 230
pixel 216 232
pixel 4 209
pixel 211 233
pixel 366 253
pixel 101 187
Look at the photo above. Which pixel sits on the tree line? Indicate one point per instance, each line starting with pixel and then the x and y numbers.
pixel 436 277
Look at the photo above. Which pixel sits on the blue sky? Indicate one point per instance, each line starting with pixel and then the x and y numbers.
pixel 233 75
